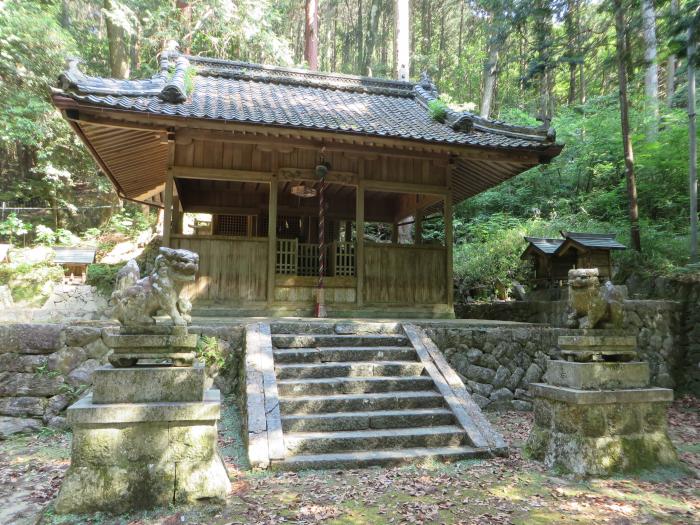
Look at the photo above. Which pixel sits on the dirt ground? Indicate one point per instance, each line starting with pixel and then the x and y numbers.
pixel 495 491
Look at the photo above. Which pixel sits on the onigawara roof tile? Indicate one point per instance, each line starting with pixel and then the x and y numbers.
pixel 234 91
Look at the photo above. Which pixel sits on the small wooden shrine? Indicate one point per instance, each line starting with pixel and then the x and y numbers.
pixel 553 258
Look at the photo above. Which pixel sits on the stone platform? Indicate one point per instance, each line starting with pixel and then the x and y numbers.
pixel 597 415
pixel 152 342
pixel 146 437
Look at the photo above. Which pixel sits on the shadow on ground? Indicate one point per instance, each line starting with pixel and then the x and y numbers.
pixel 500 490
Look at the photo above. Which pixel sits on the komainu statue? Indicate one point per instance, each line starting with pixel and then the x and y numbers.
pixel 590 304
pixel 135 302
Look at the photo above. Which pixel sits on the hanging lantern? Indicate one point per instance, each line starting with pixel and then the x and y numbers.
pixel 303 191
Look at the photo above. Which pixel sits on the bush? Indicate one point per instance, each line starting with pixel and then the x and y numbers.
pixel 103 277
pixel 437 109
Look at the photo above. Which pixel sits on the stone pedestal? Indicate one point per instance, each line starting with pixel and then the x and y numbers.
pixel 145 437
pixel 152 342
pixel 597 415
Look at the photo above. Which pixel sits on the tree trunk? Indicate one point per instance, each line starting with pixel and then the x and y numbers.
pixel 651 74
pixel 693 161
pixel 311 35
pixel 118 44
pixel 490 74
pixel 372 33
pixel 572 40
pixel 622 59
pixel 402 40
pixel 671 62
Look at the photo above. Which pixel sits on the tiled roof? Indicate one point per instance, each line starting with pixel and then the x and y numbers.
pixel 546 246
pixel 595 240
pixel 250 93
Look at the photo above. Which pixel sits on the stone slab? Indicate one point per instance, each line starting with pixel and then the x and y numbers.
pixel 85 412
pixel 597 375
pixel 146 384
pixel 140 342
pixel 573 342
pixel 593 397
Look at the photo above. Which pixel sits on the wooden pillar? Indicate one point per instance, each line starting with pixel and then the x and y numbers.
pixel 418 229
pixel 272 240
pixel 348 231
pixel 360 237
pixel 177 215
pixel 168 211
pixel 449 239
pixel 395 233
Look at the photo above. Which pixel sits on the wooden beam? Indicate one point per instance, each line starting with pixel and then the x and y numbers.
pixel 150 193
pixel 272 241
pixel 405 187
pixel 346 178
pixel 168 214
pixel 186 172
pixel 360 233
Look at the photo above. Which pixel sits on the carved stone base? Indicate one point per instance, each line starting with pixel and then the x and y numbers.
pixel 152 342
pixel 140 455
pixel 600 440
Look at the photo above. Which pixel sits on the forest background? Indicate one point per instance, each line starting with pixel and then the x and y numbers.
pixel 551 62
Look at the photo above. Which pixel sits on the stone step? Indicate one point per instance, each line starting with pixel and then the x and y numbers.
pixel 331 327
pixel 374 458
pixel 324 340
pixel 417 417
pixel 347 440
pixel 352 385
pixel 361 402
pixel 345 353
pixel 353 369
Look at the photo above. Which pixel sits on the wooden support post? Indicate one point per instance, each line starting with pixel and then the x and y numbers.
pixel 348 231
pixel 418 229
pixel 360 237
pixel 272 241
pixel 177 215
pixel 395 233
pixel 168 211
pixel 449 239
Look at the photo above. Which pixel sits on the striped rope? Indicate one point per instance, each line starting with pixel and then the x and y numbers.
pixel 321 231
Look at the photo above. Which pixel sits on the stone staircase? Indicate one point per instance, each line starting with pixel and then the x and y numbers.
pixel 356 394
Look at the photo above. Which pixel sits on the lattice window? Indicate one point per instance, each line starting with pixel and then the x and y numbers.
pixel 231 225
pixel 344 259
pixel 287 256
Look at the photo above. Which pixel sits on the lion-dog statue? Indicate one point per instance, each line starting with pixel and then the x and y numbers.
pixel 135 301
pixel 590 304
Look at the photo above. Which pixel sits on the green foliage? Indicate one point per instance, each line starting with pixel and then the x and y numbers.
pixel 102 277
pixel 30 284
pixel 44 235
pixel 13 227
pixel 209 349
pixel 438 110
pixel 130 221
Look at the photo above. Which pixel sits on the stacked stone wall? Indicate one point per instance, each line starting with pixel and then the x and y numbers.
pixel 46 367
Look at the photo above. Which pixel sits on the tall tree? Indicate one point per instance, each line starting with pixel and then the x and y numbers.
pixel 693 138
pixel 498 31
pixel 403 65
pixel 116 16
pixel 543 68
pixel 671 61
pixel 651 72
pixel 622 64
pixel 311 34
pixel 375 12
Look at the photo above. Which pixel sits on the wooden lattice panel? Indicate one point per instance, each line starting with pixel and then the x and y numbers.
pixel 287 256
pixel 343 259
pixel 236 225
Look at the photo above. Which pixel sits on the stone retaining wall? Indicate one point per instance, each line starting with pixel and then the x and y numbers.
pixel 668 331
pixel 46 367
